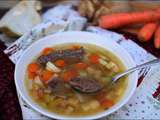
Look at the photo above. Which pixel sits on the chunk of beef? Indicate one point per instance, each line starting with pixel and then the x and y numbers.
pixel 71 56
pixel 57 86
pixel 85 84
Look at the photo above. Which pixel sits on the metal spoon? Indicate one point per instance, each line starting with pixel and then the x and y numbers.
pixel 89 90
pixel 147 64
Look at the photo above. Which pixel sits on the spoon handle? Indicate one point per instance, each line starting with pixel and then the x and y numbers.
pixel 147 64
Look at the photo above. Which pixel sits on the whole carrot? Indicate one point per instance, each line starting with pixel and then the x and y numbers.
pixel 121 19
pixel 147 31
pixel 157 38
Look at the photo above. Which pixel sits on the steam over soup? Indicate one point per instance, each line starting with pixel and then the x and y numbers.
pixel 74 79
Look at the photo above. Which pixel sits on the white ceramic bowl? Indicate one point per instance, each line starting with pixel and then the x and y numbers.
pixel 74 37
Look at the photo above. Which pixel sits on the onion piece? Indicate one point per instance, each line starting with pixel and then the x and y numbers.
pixel 38 81
pixel 103 57
pixel 110 65
pixel 103 62
pixel 50 66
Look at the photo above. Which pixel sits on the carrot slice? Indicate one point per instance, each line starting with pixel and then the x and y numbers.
pixel 157 38
pixel 106 103
pixel 81 65
pixel 46 75
pixel 68 75
pixel 100 96
pixel 60 63
pixel 33 67
pixel 31 75
pixel 94 58
pixel 47 50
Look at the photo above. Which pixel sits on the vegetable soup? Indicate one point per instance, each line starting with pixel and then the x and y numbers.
pixel 75 79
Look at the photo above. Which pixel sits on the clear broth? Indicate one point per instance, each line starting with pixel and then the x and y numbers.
pixel 112 92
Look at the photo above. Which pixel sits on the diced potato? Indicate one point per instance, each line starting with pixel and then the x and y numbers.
pixel 94 104
pixel 115 69
pixel 69 110
pixel 90 70
pixel 73 102
pixel 95 73
pixel 103 62
pixel 85 107
pixel 62 103
pixel 119 91
pixel 110 95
